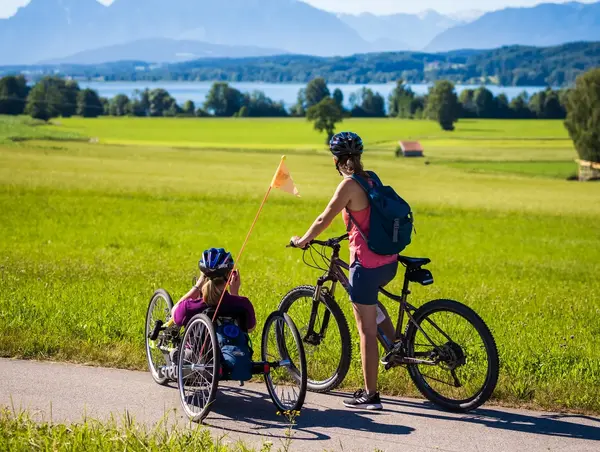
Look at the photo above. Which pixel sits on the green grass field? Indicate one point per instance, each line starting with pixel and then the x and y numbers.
pixel 89 231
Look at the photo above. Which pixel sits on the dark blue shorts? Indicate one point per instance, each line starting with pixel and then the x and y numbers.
pixel 365 282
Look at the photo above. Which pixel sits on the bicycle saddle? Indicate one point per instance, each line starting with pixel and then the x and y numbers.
pixel 413 261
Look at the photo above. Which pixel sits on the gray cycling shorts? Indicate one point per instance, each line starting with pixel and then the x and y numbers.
pixel 365 282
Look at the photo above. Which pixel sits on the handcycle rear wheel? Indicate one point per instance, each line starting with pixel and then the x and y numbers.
pixel 282 347
pixel 327 344
pixel 463 346
pixel 198 368
pixel 159 310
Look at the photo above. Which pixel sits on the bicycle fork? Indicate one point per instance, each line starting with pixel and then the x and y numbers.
pixel 312 337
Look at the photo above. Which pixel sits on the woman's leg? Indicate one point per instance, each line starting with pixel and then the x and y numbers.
pixel 366 316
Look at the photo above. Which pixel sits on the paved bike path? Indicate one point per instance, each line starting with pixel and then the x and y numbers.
pixel 67 392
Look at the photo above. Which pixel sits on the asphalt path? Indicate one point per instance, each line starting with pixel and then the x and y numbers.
pixel 70 393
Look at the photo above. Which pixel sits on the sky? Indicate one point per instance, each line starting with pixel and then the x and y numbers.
pixel 9 7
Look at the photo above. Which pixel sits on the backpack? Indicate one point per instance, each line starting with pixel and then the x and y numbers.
pixel 236 352
pixel 391 220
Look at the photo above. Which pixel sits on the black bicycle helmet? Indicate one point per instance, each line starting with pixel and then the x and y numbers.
pixel 346 143
pixel 216 263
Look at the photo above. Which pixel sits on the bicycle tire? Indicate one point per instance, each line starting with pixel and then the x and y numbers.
pixel 343 365
pixel 295 370
pixel 163 295
pixel 198 321
pixel 491 378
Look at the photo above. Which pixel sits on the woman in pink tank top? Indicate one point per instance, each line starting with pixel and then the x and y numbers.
pixel 368 270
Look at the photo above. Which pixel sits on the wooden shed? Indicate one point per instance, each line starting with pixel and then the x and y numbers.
pixel 409 149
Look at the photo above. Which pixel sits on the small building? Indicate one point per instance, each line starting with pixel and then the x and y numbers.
pixel 409 149
pixel 588 170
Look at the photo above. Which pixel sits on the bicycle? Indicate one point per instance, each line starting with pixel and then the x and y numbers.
pixel 467 371
pixel 191 356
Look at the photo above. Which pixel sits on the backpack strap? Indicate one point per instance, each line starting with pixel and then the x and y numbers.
pixel 367 188
pixel 375 178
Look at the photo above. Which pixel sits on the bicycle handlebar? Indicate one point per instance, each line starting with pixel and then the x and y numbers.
pixel 329 242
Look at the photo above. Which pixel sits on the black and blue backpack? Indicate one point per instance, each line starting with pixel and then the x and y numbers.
pixel 236 351
pixel 391 220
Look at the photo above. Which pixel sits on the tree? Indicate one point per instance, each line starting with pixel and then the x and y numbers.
pixel 222 100
pixel 71 92
pixel 502 106
pixel 13 95
pixel 300 108
pixel 202 113
pixel 140 103
pixel 368 104
pixel 189 108
pixel 119 105
pixel 260 105
pixel 401 101
pixel 583 115
pixel 519 107
pixel 338 96
pixel 326 114
pixel 89 104
pixel 316 91
pixel 46 99
pixel 442 104
pixel 485 104
pixel 161 103
pixel 105 106
pixel 467 103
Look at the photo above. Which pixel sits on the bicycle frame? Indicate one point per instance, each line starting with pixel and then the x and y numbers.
pixel 336 274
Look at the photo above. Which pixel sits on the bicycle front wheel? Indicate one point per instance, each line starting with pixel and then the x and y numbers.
pixel 454 353
pixel 326 341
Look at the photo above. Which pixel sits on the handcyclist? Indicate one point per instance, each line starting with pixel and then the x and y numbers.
pixel 368 271
pixel 216 266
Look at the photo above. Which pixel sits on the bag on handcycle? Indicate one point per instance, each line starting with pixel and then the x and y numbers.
pixel 236 351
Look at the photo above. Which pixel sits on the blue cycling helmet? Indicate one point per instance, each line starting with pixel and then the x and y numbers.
pixel 216 263
pixel 346 143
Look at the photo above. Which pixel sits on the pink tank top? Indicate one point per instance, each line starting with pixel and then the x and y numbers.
pixel 359 250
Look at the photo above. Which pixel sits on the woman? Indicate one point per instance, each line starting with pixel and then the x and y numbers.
pixel 368 271
pixel 216 266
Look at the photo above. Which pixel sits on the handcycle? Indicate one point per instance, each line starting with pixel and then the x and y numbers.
pixel 191 356
pixel 448 350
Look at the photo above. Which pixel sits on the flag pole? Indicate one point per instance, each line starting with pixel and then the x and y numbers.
pixel 239 256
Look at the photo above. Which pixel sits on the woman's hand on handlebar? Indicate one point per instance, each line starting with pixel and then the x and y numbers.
pixel 296 242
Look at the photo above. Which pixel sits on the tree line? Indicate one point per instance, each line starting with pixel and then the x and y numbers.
pixel 507 66
pixel 53 96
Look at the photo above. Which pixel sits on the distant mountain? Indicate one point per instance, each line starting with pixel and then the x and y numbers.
pixel 162 50
pixel 506 66
pixel 399 31
pixel 543 25
pixel 50 29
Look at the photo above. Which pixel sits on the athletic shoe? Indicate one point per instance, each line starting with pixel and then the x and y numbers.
pixel 362 400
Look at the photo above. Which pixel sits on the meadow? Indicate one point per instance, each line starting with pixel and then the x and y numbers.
pixel 90 229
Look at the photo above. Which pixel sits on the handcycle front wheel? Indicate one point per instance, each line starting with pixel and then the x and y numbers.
pixel 460 364
pixel 282 348
pixel 198 368
pixel 325 335
pixel 158 312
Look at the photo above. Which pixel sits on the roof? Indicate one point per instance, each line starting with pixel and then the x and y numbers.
pixel 410 146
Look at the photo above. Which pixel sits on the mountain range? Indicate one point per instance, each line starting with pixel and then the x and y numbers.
pixel 86 31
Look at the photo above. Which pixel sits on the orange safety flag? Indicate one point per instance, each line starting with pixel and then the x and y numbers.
pixel 283 179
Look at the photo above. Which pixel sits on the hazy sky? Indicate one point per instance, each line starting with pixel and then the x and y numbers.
pixel 8 7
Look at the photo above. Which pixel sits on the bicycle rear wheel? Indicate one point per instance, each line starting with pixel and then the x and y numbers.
pixel 459 368
pixel 282 346
pixel 159 311
pixel 198 368
pixel 327 344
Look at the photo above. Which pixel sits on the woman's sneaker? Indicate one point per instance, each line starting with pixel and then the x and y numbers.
pixel 364 401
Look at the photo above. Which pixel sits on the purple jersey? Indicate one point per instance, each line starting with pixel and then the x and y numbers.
pixel 189 307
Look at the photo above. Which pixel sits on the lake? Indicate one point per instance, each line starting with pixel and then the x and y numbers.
pixel 286 92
